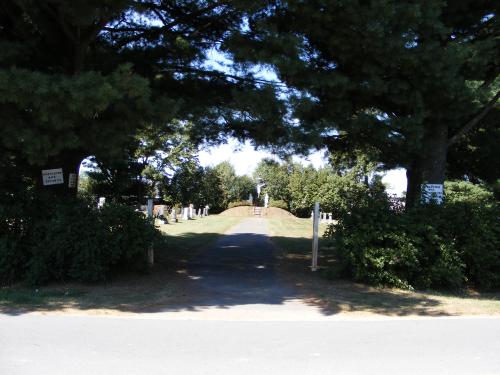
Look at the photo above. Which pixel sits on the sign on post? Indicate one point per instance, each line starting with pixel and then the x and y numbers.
pixel 432 192
pixel 52 176
pixel 72 180
pixel 314 266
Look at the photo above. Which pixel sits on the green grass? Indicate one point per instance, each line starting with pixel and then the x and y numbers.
pixel 187 237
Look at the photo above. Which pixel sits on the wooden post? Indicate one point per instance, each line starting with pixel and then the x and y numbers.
pixel 315 237
pixel 151 254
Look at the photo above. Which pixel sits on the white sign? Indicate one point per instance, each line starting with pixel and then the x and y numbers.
pixel 72 180
pixel 433 192
pixel 52 176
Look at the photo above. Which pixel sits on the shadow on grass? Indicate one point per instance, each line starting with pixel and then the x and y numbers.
pixel 194 272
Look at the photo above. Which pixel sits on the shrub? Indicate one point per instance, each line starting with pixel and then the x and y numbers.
pixel 278 204
pixel 448 246
pixel 238 204
pixel 73 240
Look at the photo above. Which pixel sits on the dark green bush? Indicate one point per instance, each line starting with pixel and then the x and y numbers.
pixel 278 204
pixel 449 246
pixel 73 240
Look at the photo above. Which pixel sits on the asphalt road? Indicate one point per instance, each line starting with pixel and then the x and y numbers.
pixel 105 345
pixel 245 321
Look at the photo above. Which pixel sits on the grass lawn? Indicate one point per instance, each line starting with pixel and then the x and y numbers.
pixel 184 238
pixel 165 285
pixel 292 237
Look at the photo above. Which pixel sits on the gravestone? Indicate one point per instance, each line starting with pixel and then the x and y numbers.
pixel 191 213
pixel 330 217
pixel 173 215
pixel 185 213
pixel 312 215
pixel 161 214
pixel 101 202
pixel 266 200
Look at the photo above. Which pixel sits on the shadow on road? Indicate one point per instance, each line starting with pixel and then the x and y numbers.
pixel 238 269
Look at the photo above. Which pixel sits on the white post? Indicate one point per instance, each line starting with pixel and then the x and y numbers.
pixel 315 237
pixel 150 209
pixel 151 254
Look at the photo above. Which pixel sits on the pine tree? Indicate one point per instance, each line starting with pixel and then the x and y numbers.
pixel 401 81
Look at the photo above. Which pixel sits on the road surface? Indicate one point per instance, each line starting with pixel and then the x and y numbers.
pixel 53 345
pixel 244 320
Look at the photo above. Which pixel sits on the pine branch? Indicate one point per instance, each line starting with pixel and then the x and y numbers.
pixel 475 120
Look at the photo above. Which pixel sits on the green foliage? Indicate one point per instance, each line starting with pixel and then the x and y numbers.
pixel 393 81
pixel 72 240
pixel 276 179
pixel 466 192
pixel 449 246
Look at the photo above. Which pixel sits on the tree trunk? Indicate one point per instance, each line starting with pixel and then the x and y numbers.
pixel 430 166
pixel 413 182
pixel 434 158
pixel 69 162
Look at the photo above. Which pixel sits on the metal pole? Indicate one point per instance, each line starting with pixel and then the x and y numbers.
pixel 315 237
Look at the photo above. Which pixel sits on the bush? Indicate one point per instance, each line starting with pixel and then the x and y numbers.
pixel 73 240
pixel 449 246
pixel 278 204
pixel 238 204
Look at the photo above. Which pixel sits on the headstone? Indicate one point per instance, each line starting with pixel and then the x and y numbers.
pixel 101 202
pixel 191 214
pixel 330 217
pixel 174 215
pixel 266 200
pixel 312 215
pixel 161 215
pixel 185 213
pixel 207 208
pixel 250 198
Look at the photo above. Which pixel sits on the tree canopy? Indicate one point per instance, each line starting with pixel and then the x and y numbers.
pixel 400 81
pixel 393 83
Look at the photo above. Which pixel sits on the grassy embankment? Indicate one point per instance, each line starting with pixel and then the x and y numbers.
pixel 293 238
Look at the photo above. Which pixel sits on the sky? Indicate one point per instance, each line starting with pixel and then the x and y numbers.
pixel 245 158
